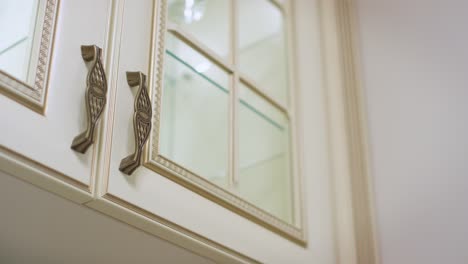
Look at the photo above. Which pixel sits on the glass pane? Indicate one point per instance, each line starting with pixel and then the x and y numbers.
pixel 206 20
pixel 262 46
pixel 264 165
pixel 17 25
pixel 194 115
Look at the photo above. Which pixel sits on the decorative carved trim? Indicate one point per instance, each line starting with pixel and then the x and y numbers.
pixel 158 55
pixel 12 82
pixel 219 195
pixel 194 182
pixel 44 50
pixel 34 95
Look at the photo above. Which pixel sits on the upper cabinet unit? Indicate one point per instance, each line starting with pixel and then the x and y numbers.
pixel 223 126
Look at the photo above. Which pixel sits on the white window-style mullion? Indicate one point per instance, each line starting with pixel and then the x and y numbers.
pixel 233 118
pixel 295 138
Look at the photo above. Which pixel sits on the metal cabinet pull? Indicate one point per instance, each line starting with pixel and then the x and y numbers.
pixel 95 97
pixel 141 121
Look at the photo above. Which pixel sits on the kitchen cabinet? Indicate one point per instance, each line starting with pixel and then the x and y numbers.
pixel 197 141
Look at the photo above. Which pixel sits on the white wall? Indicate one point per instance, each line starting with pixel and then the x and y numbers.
pixel 415 66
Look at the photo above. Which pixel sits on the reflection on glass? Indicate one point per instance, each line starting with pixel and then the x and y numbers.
pixel 194 115
pixel 17 29
pixel 206 20
pixel 262 46
pixel 264 162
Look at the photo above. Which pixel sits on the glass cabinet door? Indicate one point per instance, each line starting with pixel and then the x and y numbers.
pixel 223 124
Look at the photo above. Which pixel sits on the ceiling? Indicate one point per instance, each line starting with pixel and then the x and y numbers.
pixel 40 227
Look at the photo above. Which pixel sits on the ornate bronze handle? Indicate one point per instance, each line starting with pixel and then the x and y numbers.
pixel 141 121
pixel 95 96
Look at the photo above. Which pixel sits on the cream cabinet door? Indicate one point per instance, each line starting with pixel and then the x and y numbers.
pixel 171 207
pixel 43 84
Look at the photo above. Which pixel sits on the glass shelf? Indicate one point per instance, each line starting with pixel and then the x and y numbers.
pixel 243 102
pixel 260 114
pixel 194 71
